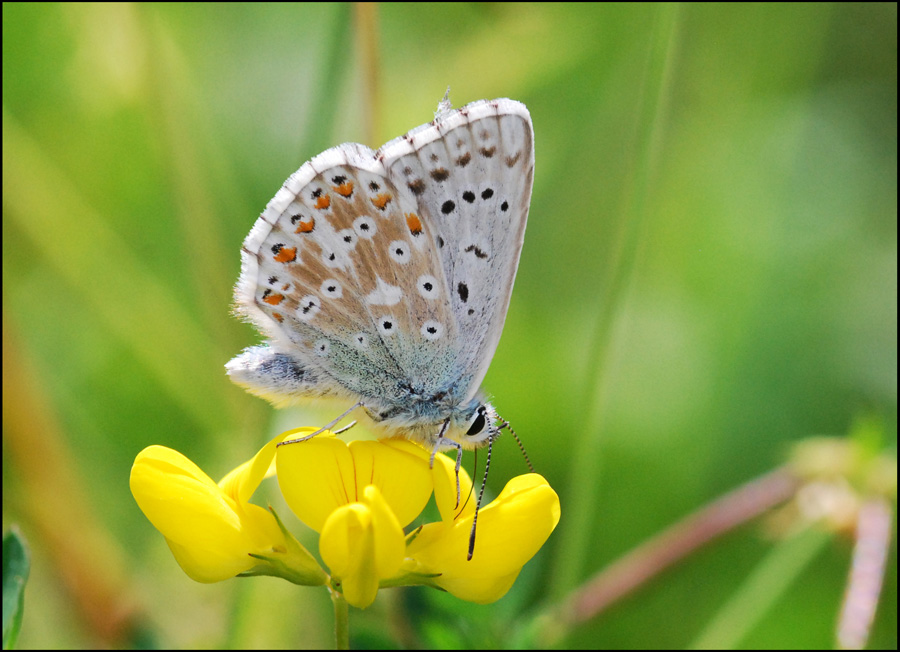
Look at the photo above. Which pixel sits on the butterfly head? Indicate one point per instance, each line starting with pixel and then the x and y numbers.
pixel 479 427
pixel 471 426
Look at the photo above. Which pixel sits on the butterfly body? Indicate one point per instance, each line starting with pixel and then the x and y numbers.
pixel 383 277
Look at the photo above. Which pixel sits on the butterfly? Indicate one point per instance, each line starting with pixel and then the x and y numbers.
pixel 383 277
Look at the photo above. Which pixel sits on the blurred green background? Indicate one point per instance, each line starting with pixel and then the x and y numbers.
pixel 709 273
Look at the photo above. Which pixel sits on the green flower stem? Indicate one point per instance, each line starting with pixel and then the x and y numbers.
pixel 341 621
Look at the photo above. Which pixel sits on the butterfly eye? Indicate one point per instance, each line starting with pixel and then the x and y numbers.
pixel 478 423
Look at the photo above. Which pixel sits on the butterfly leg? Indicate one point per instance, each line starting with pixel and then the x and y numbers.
pixel 345 428
pixel 438 442
pixel 441 441
pixel 458 464
pixel 322 429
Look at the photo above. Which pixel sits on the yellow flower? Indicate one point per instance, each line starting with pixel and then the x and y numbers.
pixel 359 497
pixel 213 531
pixel 510 531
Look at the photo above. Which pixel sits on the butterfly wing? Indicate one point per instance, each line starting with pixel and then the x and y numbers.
pixel 341 275
pixel 471 173
pixel 367 286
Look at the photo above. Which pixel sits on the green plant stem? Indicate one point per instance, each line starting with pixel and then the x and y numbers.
pixel 341 621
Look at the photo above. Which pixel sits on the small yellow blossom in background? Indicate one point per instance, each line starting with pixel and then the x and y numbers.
pixel 358 497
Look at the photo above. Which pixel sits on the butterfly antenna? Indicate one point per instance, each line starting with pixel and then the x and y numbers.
pixel 487 465
pixel 506 425
pixel 322 429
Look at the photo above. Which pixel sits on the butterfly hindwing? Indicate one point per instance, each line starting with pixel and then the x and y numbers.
pixel 471 173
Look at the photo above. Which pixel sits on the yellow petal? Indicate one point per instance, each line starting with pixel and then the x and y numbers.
pixel 245 479
pixel 403 478
pixel 362 543
pixel 320 475
pixel 179 499
pixel 316 478
pixel 407 446
pixel 231 556
pixel 210 533
pixel 390 546
pixel 510 531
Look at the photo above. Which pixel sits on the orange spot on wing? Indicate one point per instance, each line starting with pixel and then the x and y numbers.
pixel 273 299
pixel 414 224
pixel 278 317
pixel 345 189
pixel 306 227
pixel 381 200
pixel 324 201
pixel 286 255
